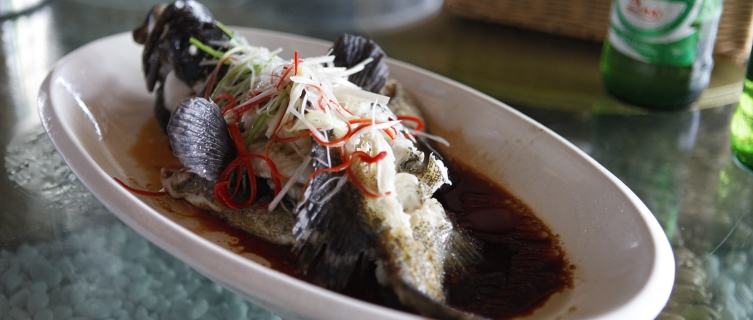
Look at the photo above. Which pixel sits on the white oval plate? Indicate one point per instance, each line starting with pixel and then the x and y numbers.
pixel 95 100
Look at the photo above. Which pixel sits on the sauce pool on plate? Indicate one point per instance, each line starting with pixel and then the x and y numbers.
pixel 523 261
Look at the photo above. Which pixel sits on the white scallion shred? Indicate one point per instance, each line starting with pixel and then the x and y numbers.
pixel 293 179
pixel 340 183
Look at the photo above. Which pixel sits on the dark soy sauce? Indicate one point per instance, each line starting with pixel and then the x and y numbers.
pixel 523 261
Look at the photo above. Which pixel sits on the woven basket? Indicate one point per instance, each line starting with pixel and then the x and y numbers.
pixel 589 20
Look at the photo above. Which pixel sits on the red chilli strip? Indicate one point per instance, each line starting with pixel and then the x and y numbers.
pixel 370 121
pixel 346 166
pixel 363 188
pixel 343 109
pixel 391 132
pixel 238 181
pixel 282 79
pixel 222 195
pixel 295 56
pixel 365 157
pixel 276 176
pixel 419 123
pixel 341 167
pixel 273 75
pixel 322 103
pixel 221 189
pixel 291 139
pixel 361 120
pixel 213 78
pixel 235 134
pixel 231 102
pixel 342 140
pixel 288 122
pixel 247 106
pixel 139 191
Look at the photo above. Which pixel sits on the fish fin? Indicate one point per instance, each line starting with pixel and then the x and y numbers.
pixel 425 305
pixel 350 50
pixel 463 251
pixel 200 139
pixel 325 225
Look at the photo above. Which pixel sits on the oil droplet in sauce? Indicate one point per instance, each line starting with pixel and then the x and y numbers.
pixel 523 262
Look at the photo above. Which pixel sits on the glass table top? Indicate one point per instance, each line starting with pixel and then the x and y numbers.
pixel 63 255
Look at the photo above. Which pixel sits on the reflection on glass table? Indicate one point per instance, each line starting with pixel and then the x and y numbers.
pixel 59 246
pixel 681 166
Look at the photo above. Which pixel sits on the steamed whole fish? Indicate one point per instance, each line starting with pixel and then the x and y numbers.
pixel 319 153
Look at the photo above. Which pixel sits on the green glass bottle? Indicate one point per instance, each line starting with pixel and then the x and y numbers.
pixel 658 52
pixel 741 127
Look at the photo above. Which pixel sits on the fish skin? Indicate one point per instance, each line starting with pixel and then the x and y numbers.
pixel 431 308
pixel 275 226
pixel 431 173
pixel 403 258
pixel 330 225
pixel 350 50
pixel 199 138
pixel 413 266
pixel 401 103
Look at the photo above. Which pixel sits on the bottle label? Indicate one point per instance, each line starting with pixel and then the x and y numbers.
pixel 662 32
